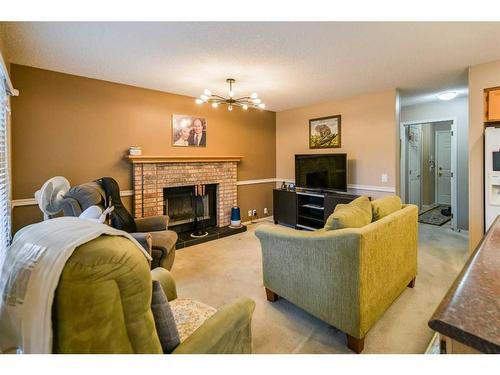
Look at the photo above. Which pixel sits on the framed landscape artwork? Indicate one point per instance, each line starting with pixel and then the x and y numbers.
pixel 189 131
pixel 324 132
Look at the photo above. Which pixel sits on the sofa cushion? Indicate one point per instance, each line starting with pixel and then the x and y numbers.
pixel 355 214
pixel 385 206
pixel 189 315
pixel 164 319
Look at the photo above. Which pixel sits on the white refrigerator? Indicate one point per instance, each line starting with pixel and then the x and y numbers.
pixel 491 175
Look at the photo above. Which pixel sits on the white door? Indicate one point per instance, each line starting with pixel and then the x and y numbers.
pixel 443 167
pixel 414 163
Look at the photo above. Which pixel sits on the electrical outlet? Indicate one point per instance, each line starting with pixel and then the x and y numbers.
pixel 249 213
pixel 254 213
pixel 384 177
pixel 265 210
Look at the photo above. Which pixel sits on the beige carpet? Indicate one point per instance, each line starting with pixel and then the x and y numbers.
pixel 218 271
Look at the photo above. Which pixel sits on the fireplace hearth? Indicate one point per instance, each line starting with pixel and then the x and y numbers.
pixel 153 174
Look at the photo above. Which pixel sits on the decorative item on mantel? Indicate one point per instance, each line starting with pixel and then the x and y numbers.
pixel 245 102
pixel 135 150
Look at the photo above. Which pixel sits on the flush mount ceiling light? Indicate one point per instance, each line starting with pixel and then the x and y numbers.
pixel 244 102
pixel 447 95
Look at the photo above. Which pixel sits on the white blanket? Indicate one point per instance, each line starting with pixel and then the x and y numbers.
pixel 29 273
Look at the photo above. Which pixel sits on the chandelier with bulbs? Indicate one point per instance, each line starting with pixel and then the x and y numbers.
pixel 245 102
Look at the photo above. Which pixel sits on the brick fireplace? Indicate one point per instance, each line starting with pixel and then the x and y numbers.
pixel 151 175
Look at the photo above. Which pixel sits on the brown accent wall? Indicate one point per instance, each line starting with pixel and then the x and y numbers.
pixel 247 194
pixel 368 136
pixel 81 128
pixel 480 77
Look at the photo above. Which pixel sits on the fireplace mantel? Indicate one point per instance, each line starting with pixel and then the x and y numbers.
pixel 182 159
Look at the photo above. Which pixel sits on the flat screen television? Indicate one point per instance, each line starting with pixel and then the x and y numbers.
pixel 321 171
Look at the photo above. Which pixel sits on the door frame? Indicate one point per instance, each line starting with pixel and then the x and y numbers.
pixel 454 158
pixel 436 171
pixel 421 150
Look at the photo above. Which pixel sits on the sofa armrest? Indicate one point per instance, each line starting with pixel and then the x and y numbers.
pixel 167 282
pixel 318 271
pixel 71 207
pixel 145 240
pixel 388 262
pixel 152 223
pixel 228 331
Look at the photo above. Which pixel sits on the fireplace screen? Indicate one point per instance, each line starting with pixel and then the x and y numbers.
pixel 179 206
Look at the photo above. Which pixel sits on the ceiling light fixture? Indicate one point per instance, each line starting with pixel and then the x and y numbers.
pixel 244 102
pixel 447 95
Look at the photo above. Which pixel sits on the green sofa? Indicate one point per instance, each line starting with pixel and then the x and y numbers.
pixel 103 305
pixel 345 277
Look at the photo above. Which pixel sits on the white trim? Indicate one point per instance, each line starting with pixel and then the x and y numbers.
pixel 287 180
pixel 387 189
pixel 130 193
pixel 454 161
pixel 267 218
pixel 3 70
pixel 32 201
pixel 254 182
pixel 24 202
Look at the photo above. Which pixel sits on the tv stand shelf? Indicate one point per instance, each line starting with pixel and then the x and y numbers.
pixel 304 209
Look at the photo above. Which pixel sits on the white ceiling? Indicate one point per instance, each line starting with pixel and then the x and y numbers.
pixel 289 64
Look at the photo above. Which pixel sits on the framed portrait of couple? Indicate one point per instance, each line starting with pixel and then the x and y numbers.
pixel 189 131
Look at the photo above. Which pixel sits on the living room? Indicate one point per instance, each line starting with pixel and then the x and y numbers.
pixel 171 189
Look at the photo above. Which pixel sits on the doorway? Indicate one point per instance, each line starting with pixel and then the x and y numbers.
pixel 428 159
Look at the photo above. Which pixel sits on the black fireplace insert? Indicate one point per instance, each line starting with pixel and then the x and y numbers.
pixel 178 204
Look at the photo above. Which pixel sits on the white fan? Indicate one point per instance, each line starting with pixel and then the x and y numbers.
pixel 51 196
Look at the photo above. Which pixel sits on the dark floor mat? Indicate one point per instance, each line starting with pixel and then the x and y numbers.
pixel 434 216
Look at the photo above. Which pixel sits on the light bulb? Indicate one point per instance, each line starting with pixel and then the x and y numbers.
pixel 207 92
pixel 198 101
pixel 254 95
pixel 204 97
pixel 215 105
pixel 256 101
pixel 230 108
pixel 262 106
pixel 231 93
pixel 244 106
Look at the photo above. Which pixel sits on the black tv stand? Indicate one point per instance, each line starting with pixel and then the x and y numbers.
pixel 305 208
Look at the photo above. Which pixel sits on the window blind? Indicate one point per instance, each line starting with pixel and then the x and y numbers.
pixel 5 204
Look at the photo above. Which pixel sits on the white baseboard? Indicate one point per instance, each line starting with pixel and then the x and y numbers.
pixel 267 218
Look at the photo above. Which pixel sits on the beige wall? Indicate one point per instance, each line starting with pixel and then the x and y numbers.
pixel 480 77
pixel 368 136
pixel 81 128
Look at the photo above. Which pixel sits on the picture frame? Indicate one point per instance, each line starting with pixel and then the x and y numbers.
pixel 189 131
pixel 325 132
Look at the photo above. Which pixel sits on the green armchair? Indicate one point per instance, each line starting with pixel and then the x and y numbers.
pixel 103 305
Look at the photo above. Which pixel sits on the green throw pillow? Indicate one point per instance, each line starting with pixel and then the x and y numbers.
pixel 385 206
pixel 355 214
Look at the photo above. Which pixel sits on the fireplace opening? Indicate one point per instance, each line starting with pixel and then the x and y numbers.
pixel 179 205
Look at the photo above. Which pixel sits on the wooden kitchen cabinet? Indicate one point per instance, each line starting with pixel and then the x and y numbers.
pixel 492 104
